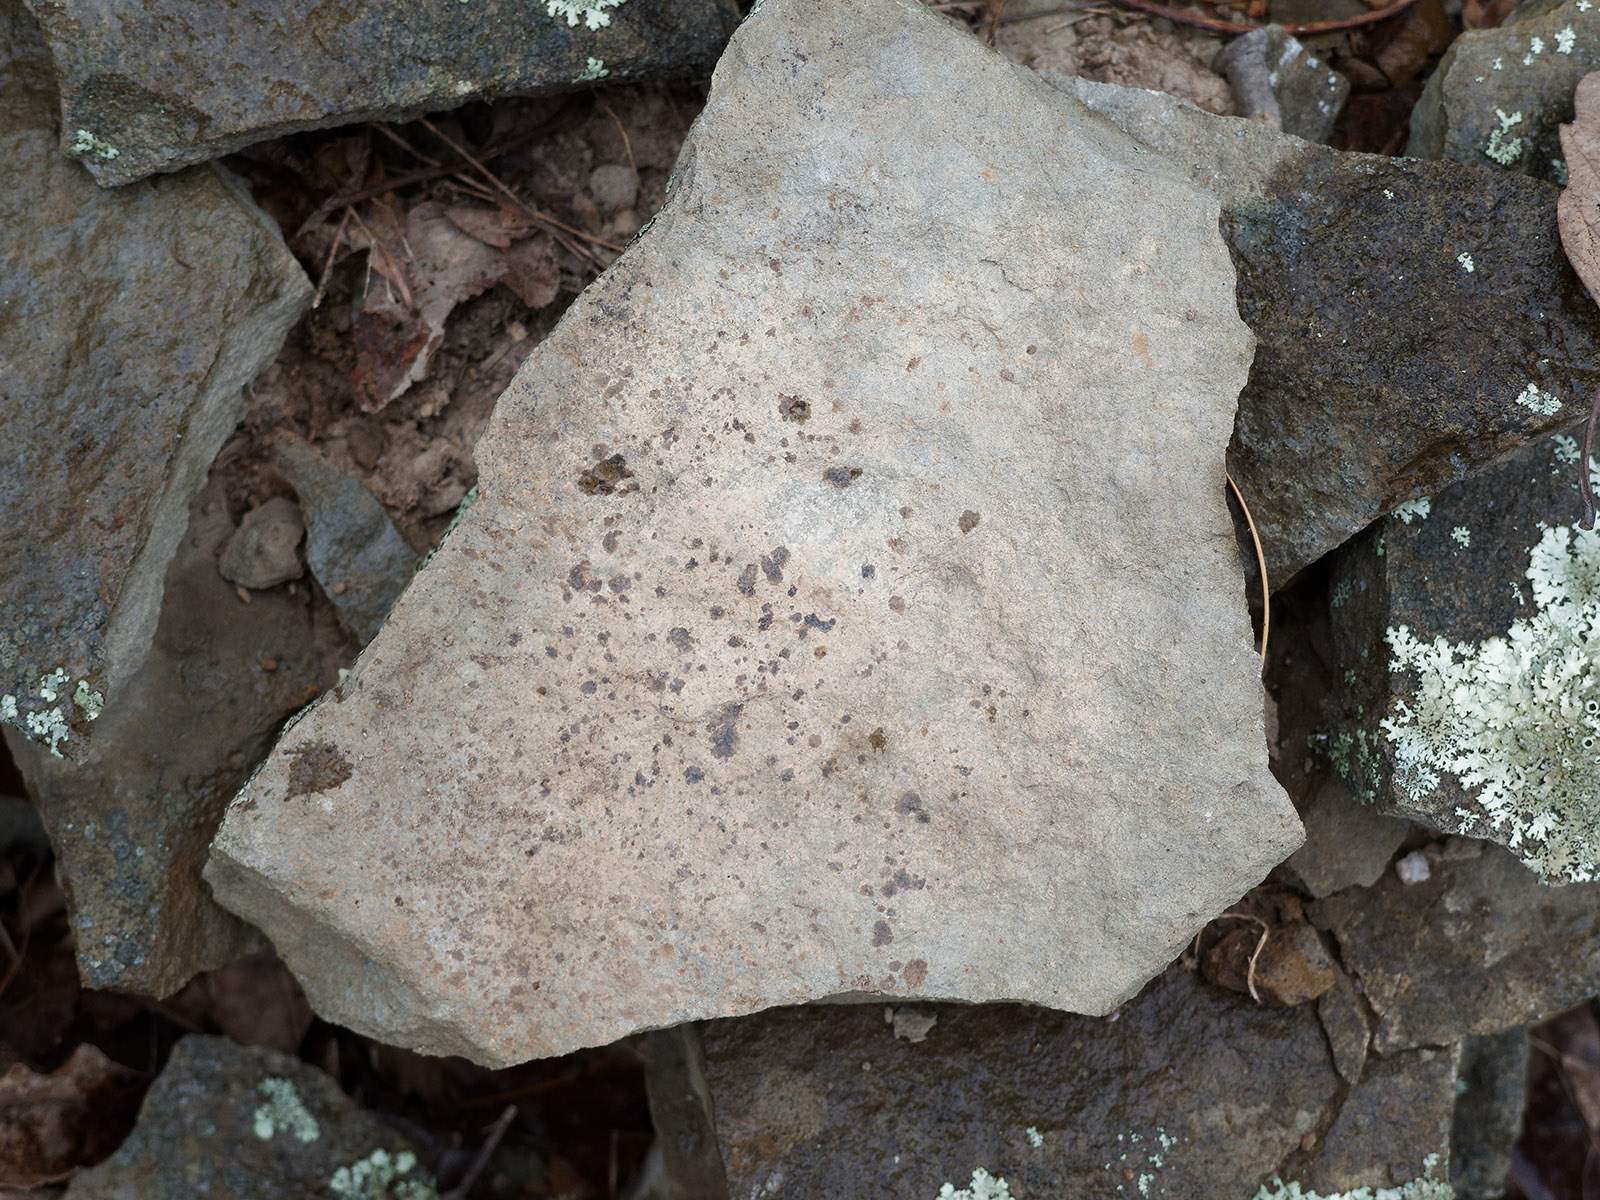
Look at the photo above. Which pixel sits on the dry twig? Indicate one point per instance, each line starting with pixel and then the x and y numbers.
pixel 1261 564
pixel 1266 932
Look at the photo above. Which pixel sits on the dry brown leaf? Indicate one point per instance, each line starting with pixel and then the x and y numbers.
pixel 50 1125
pixel 1578 209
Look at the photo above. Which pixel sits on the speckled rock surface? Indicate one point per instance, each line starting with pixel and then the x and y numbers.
pixel 132 823
pixel 1393 1126
pixel 165 85
pixel 1190 1092
pixel 1372 383
pixel 110 410
pixel 1276 82
pixel 233 1123
pixel 1498 95
pixel 810 633
pixel 1479 947
pixel 1470 695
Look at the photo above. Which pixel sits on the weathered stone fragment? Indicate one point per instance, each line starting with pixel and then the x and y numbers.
pixel 1479 947
pixel 132 823
pixel 1471 693
pixel 265 550
pixel 1344 1019
pixel 169 84
pixel 354 550
pixel 810 633
pixel 1276 82
pixel 1348 843
pixel 1393 1126
pixel 1368 282
pixel 1190 1092
pixel 1491 1095
pixel 234 1123
pixel 1498 95
pixel 129 324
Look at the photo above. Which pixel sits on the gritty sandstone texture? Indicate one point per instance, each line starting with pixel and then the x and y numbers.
pixel 234 1123
pixel 1360 275
pixel 1499 95
pixel 809 635
pixel 167 84
pixel 110 410
pixel 1469 697
pixel 132 823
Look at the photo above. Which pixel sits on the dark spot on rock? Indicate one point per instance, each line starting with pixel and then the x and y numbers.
pixel 813 621
pixel 876 739
pixel 915 973
pixel 772 564
pixel 318 768
pixel 610 542
pixel 679 637
pixel 588 687
pixel 968 521
pixel 897 603
pixel 724 732
pixel 882 935
pixel 909 802
pixel 765 623
pixel 868 571
pixel 792 408
pixel 841 477
pixel 607 476
pixel 693 774
pixel 747 580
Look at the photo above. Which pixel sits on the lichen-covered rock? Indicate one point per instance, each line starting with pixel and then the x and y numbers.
pixel 810 633
pixel 234 1123
pixel 1478 947
pixel 1471 692
pixel 132 823
pixel 167 84
pixel 1368 282
pixel 129 324
pixel 1498 95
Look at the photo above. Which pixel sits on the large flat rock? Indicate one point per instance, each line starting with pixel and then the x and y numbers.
pixel 160 86
pixel 129 325
pixel 1368 282
pixel 849 605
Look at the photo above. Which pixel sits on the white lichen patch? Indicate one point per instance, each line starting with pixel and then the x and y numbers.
pixel 283 1111
pixel 1502 147
pixel 1424 1187
pixel 593 70
pixel 53 684
pixel 1466 262
pixel 381 1174
pixel 1566 449
pixel 83 142
pixel 8 707
pixel 92 703
pixel 1035 1138
pixel 984 1186
pixel 1546 404
pixel 1462 536
pixel 1565 40
pixel 1414 510
pixel 1516 719
pixel 48 726
pixel 595 14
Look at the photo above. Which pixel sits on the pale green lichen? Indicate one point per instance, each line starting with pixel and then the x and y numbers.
pixel 1541 402
pixel 92 703
pixel 594 70
pixel 1466 262
pixel 8 707
pixel 1414 510
pixel 381 1174
pixel 52 685
pixel 595 14
pixel 285 1111
pixel 48 726
pixel 1035 1138
pixel 1462 536
pixel 84 142
pixel 1503 148
pixel 1516 719
pixel 984 1186
pixel 1424 1187
pixel 1565 40
pixel 1341 593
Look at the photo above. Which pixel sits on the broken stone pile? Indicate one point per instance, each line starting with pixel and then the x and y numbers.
pixel 841 679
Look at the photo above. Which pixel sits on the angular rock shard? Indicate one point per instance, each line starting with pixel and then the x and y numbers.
pixel 165 85
pixel 849 605
pixel 129 325
pixel 1368 282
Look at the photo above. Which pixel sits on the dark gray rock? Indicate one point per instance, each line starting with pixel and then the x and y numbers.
pixel 1368 282
pixel 1394 1126
pixel 1481 946
pixel 265 550
pixel 1275 81
pixel 1187 1091
pixel 169 84
pixel 1344 1019
pixel 1348 843
pixel 129 324
pixel 132 823
pixel 354 550
pixel 1465 626
pixel 234 1123
pixel 1498 95
pixel 1490 1097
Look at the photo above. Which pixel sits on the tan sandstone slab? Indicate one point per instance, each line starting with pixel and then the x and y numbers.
pixel 850 606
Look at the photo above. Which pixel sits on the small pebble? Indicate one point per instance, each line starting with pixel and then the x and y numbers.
pixel 1413 869
pixel 265 550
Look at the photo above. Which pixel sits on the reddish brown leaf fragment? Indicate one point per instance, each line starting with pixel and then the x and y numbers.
pixel 1578 217
pixel 50 1125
